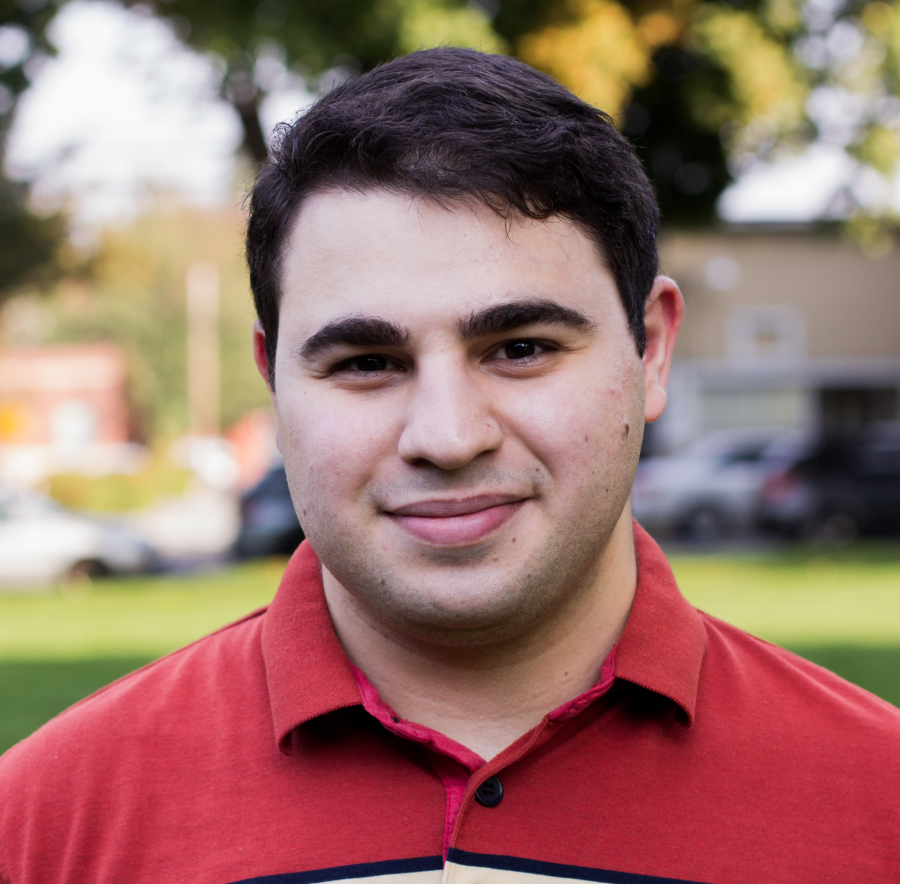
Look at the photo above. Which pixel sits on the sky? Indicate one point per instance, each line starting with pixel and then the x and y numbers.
pixel 125 111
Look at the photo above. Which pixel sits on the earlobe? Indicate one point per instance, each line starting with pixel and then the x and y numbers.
pixel 662 320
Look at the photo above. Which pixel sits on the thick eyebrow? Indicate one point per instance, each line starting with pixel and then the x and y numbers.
pixel 354 331
pixel 508 317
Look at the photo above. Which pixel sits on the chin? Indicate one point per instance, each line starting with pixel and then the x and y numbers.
pixel 467 603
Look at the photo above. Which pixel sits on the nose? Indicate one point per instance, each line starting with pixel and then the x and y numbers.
pixel 449 421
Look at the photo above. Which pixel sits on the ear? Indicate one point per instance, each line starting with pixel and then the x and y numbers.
pixel 662 319
pixel 261 357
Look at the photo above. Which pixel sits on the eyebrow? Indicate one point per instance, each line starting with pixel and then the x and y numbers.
pixel 370 331
pixel 508 317
pixel 354 331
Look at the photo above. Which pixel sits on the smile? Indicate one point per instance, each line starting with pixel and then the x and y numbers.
pixel 455 522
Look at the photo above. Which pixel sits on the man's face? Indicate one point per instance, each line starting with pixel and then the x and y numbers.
pixel 460 409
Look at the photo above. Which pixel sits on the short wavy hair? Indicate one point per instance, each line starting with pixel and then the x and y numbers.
pixel 456 125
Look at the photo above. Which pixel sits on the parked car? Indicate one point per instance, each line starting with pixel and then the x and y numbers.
pixel 269 524
pixel 41 542
pixel 837 486
pixel 708 490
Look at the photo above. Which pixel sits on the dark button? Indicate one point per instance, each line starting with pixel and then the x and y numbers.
pixel 490 792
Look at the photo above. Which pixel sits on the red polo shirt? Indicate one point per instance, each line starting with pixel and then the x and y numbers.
pixel 255 754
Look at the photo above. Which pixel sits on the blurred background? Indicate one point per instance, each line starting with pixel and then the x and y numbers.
pixel 142 502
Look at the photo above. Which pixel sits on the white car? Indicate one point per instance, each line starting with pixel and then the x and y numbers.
pixel 708 490
pixel 43 543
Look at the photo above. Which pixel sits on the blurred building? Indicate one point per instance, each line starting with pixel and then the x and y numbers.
pixel 63 407
pixel 784 328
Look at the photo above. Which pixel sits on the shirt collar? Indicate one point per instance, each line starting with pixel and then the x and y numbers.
pixel 309 675
pixel 307 670
pixel 664 642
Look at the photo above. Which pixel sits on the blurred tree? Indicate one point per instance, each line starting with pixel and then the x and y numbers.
pixel 686 79
pixel 692 82
pixel 316 36
pixel 696 81
pixel 28 244
pixel 136 298
pixel 635 65
pixel 703 87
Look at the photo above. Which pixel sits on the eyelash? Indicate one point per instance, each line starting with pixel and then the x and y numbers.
pixel 541 347
pixel 347 364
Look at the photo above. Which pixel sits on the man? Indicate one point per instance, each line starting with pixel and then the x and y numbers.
pixel 477 669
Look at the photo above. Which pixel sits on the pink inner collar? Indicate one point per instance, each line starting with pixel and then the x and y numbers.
pixel 436 741
pixel 454 762
pixel 418 733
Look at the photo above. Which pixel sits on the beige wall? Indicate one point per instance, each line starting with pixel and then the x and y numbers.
pixel 789 293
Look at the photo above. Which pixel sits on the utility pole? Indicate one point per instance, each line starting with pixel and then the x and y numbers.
pixel 203 349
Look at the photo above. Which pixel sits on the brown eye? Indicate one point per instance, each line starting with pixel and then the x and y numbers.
pixel 519 349
pixel 369 363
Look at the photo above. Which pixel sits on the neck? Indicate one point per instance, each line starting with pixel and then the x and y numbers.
pixel 487 697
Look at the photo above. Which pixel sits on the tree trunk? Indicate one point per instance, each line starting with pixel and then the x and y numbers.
pixel 254 139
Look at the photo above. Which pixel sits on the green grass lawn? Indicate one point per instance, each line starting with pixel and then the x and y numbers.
pixel 137 617
pixel 56 649
pixel 841 610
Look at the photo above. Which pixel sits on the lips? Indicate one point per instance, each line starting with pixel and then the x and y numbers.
pixel 456 522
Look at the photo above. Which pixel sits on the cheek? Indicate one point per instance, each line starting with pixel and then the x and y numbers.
pixel 581 428
pixel 330 452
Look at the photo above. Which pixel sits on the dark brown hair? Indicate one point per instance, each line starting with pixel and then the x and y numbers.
pixel 458 125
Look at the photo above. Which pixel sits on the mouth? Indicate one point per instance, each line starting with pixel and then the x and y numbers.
pixel 456 522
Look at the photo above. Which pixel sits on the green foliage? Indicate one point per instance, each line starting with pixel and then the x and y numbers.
pixel 684 158
pixel 135 297
pixel 767 89
pixel 782 16
pixel 879 147
pixel 692 82
pixel 424 23
pixel 317 34
pixel 29 244
pixel 120 492
pixel 147 322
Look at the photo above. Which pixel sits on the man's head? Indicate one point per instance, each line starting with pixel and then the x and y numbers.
pixel 456 125
pixel 454 264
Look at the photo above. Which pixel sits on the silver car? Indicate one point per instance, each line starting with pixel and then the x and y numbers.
pixel 43 543
pixel 707 491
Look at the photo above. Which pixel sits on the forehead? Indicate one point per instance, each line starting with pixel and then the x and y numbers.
pixel 391 254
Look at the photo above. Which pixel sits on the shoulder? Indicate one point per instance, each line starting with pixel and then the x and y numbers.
pixel 180 692
pixel 792 751
pixel 757 687
pixel 158 752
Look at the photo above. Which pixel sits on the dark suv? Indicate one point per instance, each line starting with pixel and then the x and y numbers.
pixel 839 485
pixel 269 524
